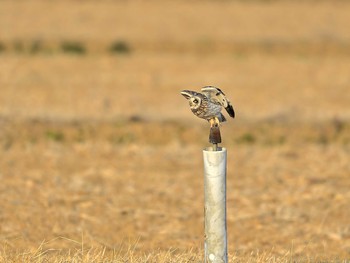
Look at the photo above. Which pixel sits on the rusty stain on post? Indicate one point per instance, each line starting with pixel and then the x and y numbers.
pixel 215 136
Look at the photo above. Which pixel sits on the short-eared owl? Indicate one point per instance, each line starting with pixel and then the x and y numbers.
pixel 208 104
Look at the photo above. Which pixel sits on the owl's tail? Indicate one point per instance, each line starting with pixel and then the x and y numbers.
pixel 230 110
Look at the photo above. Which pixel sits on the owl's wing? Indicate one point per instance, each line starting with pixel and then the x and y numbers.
pixel 217 96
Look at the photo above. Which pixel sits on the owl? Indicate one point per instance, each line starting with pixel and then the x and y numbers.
pixel 208 104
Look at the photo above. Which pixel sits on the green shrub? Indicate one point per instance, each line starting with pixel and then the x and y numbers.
pixel 73 47
pixel 2 47
pixel 56 136
pixel 120 47
pixel 247 138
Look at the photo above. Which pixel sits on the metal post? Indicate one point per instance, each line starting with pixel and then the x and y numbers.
pixel 215 137
pixel 215 245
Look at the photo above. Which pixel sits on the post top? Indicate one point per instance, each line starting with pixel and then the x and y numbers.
pixel 211 149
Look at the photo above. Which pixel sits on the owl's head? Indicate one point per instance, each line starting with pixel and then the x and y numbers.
pixel 194 98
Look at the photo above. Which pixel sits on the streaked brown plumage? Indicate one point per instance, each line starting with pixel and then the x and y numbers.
pixel 208 104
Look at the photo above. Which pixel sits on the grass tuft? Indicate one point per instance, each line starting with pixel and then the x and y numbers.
pixel 56 136
pixel 123 138
pixel 2 47
pixel 120 47
pixel 246 138
pixel 73 47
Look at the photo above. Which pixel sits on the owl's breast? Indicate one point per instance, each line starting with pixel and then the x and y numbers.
pixel 207 110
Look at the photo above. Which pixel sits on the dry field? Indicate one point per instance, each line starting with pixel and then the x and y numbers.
pixel 100 157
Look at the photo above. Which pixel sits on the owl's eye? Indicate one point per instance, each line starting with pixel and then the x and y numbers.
pixel 195 101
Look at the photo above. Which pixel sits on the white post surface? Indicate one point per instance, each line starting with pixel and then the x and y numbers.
pixel 215 244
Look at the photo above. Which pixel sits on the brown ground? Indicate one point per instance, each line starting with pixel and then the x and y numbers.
pixel 100 149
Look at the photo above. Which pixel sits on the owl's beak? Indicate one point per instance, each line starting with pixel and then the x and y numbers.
pixel 186 94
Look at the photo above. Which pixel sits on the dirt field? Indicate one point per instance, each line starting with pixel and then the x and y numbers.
pixel 101 156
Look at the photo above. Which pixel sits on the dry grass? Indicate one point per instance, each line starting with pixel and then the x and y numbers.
pixel 101 158
pixel 284 195
pixel 99 254
pixel 171 256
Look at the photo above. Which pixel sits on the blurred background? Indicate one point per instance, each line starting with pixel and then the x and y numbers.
pixel 89 99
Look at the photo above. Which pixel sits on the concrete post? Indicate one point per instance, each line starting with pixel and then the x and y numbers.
pixel 215 245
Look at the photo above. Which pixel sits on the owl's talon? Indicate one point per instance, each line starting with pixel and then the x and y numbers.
pixel 214 122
